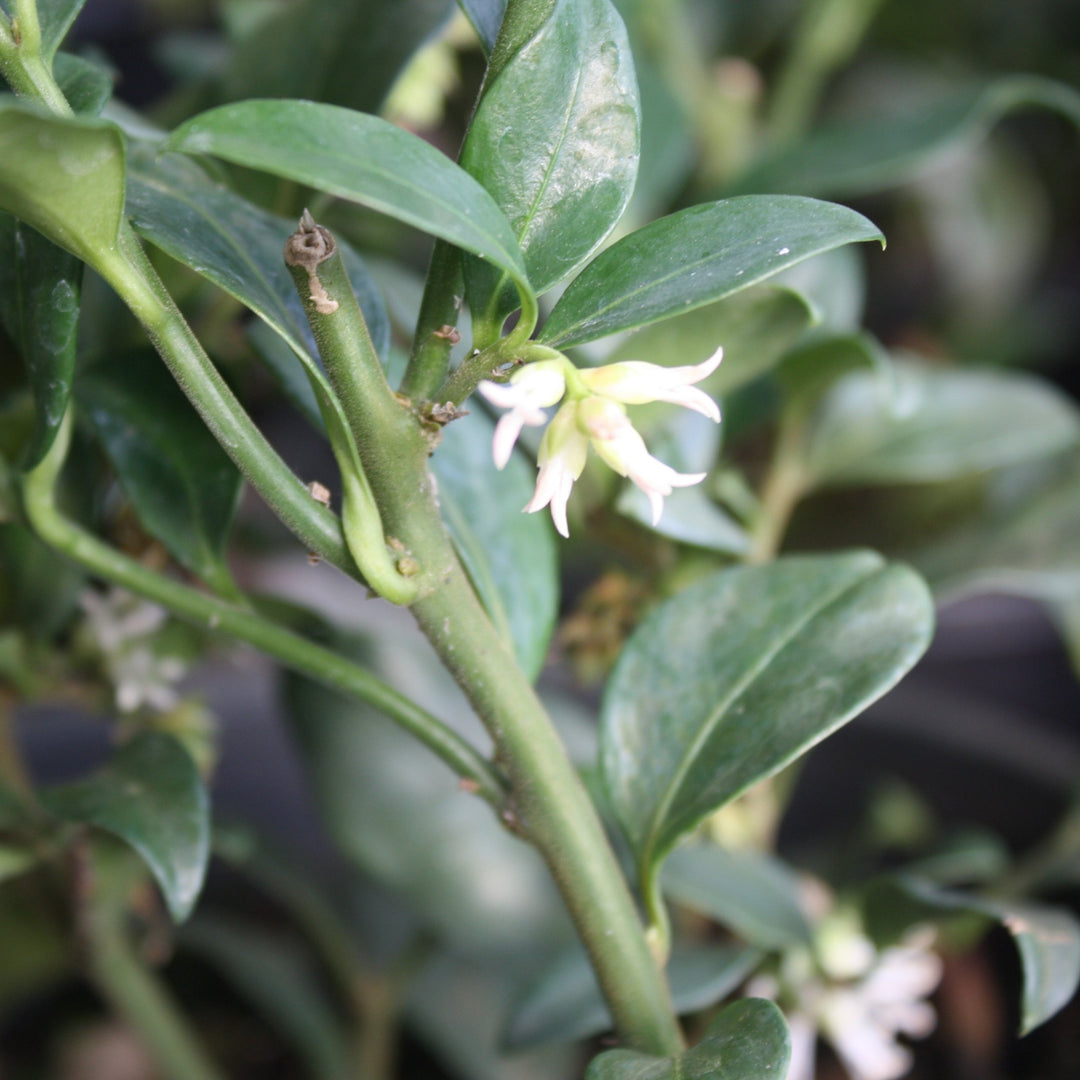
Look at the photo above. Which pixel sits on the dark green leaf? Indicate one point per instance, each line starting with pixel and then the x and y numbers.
pixel 1047 938
pixel 749 1040
pixel 486 17
pixel 555 141
pixel 65 177
pixel 55 18
pixel 238 246
pixel 755 327
pixel 694 257
pixel 278 978
pixel 338 51
pixel 1023 539
pixel 565 1004
pixel 751 893
pixel 39 589
pixel 151 797
pixel 39 309
pixel 402 817
pixel 729 681
pixel 884 151
pixel 361 158
pixel 86 85
pixel 181 483
pixel 935 425
pixel 511 557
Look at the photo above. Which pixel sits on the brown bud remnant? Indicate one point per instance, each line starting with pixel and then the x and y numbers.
pixel 407 566
pixel 309 246
pixel 447 333
pixel 319 492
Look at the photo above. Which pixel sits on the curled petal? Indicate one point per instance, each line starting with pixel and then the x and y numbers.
pixel 627 454
pixel 563 451
pixel 634 382
pixel 526 395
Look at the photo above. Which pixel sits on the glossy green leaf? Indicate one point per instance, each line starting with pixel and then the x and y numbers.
pixel 486 17
pixel 749 1040
pixel 884 151
pixel 510 557
pixel 337 51
pixel 565 1003
pixel 749 892
pixel 235 244
pixel 456 1006
pixel 755 327
pixel 278 978
pixel 150 795
pixel 936 424
pixel 55 18
pixel 39 309
pixel 65 177
pixel 402 817
pixel 361 158
pixel 86 85
pixel 182 485
pixel 1047 939
pixel 732 679
pixel 1022 540
pixel 555 140
pixel 697 256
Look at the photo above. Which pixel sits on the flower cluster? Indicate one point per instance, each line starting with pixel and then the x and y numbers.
pixel 593 413
pixel 858 998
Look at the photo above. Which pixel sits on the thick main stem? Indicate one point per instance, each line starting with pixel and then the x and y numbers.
pixel 554 811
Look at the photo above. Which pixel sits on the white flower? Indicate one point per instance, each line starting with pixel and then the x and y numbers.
pixel 634 382
pixel 858 998
pixel 122 628
pixel 594 414
pixel 526 395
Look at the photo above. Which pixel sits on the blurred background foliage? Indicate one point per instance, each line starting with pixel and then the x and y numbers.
pixel 362 918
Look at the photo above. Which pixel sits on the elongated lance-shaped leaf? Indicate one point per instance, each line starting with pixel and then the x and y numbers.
pixel 555 141
pixel 694 257
pixel 235 244
pixel 884 151
pixel 39 309
pixel 935 425
pixel 181 483
pixel 749 1040
pixel 729 681
pixel 364 159
pixel 565 1003
pixel 64 176
pixel 151 796
pixel 1047 939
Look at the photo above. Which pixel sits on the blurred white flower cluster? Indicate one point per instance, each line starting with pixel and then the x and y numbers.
pixel 593 414
pixel 123 629
pixel 855 996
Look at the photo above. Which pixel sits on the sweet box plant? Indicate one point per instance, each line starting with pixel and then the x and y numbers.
pixel 570 352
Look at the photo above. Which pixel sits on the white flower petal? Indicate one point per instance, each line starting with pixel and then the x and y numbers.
pixel 635 382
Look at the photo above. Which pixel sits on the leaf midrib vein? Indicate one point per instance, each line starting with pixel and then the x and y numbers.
pixel 736 691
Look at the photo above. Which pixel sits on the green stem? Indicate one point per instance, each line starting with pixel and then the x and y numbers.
pixel 129 272
pixel 784 486
pixel 292 650
pixel 827 35
pixel 552 808
pixel 22 64
pixel 140 999
pixel 370 407
pixel 430 359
